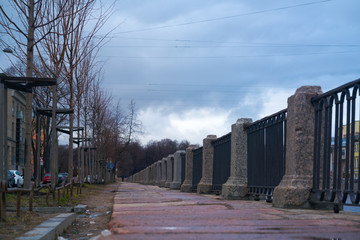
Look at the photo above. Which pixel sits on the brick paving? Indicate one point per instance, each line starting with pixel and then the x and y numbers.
pixel 150 212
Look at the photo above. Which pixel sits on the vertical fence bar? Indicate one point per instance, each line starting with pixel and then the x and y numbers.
pixel 337 150
pixel 266 154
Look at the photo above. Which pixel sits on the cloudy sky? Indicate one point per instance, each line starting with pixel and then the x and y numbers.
pixel 194 67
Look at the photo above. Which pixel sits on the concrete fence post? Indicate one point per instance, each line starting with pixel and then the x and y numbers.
pixel 169 175
pixel 294 188
pixel 205 184
pixel 189 161
pixel 176 183
pixel 236 186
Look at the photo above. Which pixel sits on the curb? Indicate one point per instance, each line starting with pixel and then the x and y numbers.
pixel 49 229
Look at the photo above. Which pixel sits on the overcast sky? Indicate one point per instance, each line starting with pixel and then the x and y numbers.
pixel 194 67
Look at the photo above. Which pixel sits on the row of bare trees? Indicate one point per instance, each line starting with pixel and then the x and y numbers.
pixel 137 157
pixel 64 36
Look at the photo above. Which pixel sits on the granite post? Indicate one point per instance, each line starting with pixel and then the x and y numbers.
pixel 236 186
pixel 189 161
pixel 205 184
pixel 151 174
pixel 169 175
pixel 163 172
pixel 154 173
pixel 294 188
pixel 158 174
pixel 146 176
pixel 176 183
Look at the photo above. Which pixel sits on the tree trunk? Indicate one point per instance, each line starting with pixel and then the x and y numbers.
pixel 28 109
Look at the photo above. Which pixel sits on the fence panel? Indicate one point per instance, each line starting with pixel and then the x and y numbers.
pixel 266 154
pixel 336 146
pixel 221 162
pixel 197 167
pixel 183 162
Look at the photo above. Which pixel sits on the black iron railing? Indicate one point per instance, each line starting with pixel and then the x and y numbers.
pixel 221 161
pixel 336 146
pixel 197 167
pixel 183 162
pixel 266 141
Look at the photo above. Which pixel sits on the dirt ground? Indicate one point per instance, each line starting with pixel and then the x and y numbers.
pixel 16 226
pixel 99 199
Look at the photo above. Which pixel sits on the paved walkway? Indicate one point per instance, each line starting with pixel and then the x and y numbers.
pixel 150 212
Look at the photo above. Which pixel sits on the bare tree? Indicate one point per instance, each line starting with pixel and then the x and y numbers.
pixel 30 17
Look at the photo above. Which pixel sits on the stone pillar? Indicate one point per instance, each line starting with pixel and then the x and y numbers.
pixel 146 176
pixel 163 172
pixel 169 175
pixel 159 172
pixel 156 173
pixel 205 184
pixel 189 161
pixel 151 175
pixel 294 188
pixel 236 186
pixel 176 183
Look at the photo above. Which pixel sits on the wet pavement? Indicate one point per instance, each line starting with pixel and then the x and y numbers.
pixel 150 212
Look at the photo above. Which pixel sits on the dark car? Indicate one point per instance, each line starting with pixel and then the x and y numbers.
pixel 65 176
pixel 61 178
pixel 11 179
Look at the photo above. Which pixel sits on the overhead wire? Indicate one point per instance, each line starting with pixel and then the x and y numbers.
pixel 224 17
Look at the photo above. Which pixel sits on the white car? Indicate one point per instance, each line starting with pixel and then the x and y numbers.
pixel 19 180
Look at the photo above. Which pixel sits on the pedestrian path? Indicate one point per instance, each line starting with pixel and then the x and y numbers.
pixel 150 212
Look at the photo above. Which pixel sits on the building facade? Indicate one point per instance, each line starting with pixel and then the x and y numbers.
pixel 16 102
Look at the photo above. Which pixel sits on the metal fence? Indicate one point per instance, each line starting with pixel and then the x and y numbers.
pixel 266 140
pixel 197 167
pixel 183 162
pixel 336 146
pixel 221 162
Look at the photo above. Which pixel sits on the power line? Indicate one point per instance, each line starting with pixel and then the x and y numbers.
pixel 239 46
pixel 234 56
pixel 248 43
pixel 224 18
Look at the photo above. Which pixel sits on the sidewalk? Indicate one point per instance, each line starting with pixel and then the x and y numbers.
pixel 150 212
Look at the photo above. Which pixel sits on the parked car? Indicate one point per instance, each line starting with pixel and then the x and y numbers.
pixel 65 175
pixel 11 179
pixel 61 178
pixel 47 178
pixel 19 180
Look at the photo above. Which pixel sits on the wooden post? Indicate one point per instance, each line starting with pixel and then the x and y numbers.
pixel 18 203
pixel 31 198
pixel 59 196
pixel 3 205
